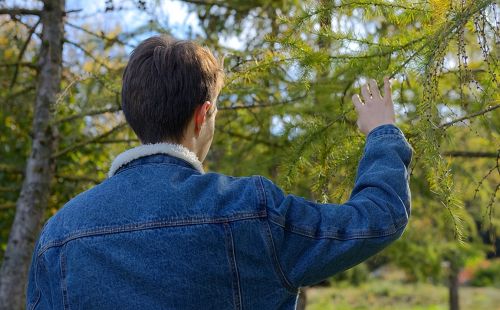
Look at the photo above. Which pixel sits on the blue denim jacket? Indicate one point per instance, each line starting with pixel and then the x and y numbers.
pixel 160 234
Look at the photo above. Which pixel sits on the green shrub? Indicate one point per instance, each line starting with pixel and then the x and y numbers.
pixel 487 276
pixel 354 276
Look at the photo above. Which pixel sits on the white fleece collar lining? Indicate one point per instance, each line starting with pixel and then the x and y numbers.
pixel 175 150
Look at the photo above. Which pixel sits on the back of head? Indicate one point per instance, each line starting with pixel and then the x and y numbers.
pixel 163 83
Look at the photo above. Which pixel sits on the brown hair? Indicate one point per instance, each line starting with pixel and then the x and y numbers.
pixel 163 83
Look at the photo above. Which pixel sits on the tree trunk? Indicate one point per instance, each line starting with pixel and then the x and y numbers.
pixel 453 287
pixel 32 200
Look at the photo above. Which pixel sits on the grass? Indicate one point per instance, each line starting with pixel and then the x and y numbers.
pixel 386 294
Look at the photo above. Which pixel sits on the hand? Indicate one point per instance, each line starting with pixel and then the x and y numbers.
pixel 374 110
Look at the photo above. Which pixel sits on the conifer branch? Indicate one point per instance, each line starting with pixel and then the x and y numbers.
pixel 466 117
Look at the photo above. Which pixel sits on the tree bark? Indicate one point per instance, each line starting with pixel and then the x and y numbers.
pixel 32 201
pixel 453 287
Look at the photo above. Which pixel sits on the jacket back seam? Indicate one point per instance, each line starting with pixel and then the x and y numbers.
pixel 231 256
pixel 64 286
pixel 144 226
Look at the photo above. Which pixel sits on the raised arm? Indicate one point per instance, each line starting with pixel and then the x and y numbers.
pixel 314 241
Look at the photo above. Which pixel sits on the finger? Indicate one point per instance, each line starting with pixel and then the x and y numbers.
pixel 365 92
pixel 374 89
pixel 357 102
pixel 387 90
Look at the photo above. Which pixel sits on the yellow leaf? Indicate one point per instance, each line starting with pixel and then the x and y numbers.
pixel 8 53
pixel 88 66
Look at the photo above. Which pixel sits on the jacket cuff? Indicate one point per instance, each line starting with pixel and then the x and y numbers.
pixel 387 129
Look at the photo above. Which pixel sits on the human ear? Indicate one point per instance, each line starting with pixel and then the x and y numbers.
pixel 200 114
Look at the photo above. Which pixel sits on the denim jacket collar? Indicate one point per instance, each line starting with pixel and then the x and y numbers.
pixel 175 150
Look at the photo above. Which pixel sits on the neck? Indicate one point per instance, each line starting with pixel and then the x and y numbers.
pixel 193 146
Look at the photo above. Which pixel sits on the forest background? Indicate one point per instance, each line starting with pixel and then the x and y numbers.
pixel 285 113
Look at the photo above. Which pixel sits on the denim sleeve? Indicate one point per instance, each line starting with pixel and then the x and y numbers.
pixel 314 241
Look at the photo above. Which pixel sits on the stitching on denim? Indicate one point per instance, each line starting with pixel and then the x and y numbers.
pixel 384 130
pixel 64 287
pixel 231 256
pixel 312 232
pixel 261 194
pixel 146 225
pixel 331 235
pixel 276 264
pixel 33 304
pixel 385 136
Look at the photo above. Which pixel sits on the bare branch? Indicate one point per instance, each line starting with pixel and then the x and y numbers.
pixel 8 168
pixel 117 141
pixel 24 64
pixel 479 113
pixel 23 91
pixel 88 141
pixel 24 11
pixel 77 178
pixel 263 105
pixel 88 113
pixel 469 154
pixel 89 54
pixel 21 53
pixel 4 189
pixel 20 11
pixel 7 205
pixel 100 36
pixel 250 138
pixel 216 3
